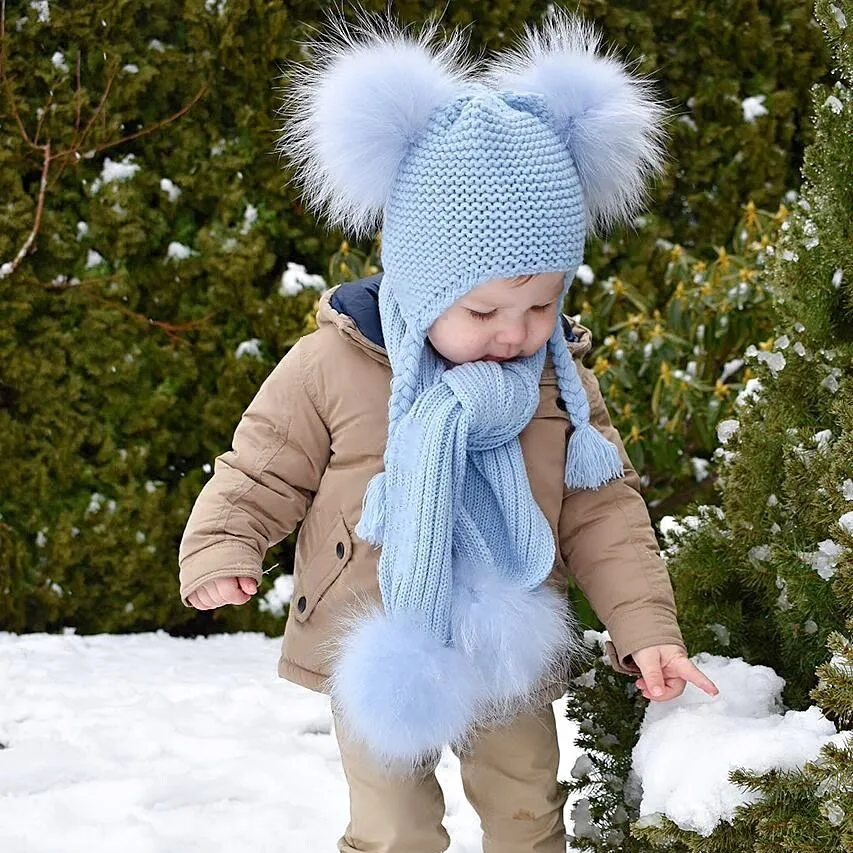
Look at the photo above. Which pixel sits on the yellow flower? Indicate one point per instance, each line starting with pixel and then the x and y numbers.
pixel 766 345
pixel 679 291
pixel 700 266
pixel 676 252
pixel 781 214
pixel 746 274
pixel 721 389
pixel 750 214
pixel 665 373
pixel 723 258
pixel 626 411
pixel 618 286
pixel 634 435
pixel 600 366
pixel 344 247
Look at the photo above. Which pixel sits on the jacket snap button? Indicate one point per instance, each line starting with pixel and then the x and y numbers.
pixel 301 604
pixel 339 550
pixel 561 404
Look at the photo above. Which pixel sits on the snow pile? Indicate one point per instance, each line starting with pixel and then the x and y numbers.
pixel 146 743
pixel 688 746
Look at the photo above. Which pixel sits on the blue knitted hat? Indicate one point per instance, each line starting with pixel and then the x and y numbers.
pixel 473 174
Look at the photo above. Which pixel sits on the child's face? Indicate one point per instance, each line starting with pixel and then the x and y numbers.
pixel 502 318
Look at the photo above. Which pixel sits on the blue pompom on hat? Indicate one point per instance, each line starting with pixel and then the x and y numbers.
pixel 473 174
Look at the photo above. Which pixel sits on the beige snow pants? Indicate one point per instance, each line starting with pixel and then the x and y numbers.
pixel 509 776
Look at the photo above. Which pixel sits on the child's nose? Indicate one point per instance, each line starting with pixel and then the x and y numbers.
pixel 512 334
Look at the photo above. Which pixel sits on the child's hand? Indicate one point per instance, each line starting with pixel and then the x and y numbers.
pixel 221 591
pixel 665 672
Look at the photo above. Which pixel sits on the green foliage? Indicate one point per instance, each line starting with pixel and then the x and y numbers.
pixel 668 372
pixel 768 574
pixel 141 313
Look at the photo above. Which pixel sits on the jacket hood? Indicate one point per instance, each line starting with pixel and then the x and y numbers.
pixel 353 308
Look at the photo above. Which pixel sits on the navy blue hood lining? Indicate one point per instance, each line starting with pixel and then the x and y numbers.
pixel 360 301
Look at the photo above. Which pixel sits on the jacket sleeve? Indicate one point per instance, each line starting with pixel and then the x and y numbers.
pixel 260 489
pixel 610 549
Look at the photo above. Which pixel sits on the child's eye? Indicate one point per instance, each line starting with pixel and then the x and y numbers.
pixel 542 307
pixel 481 315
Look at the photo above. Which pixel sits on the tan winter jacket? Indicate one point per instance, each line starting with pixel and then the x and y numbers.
pixel 314 435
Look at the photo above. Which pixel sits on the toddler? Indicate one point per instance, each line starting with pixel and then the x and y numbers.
pixel 449 457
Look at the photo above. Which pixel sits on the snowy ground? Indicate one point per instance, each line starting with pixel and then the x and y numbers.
pixel 150 744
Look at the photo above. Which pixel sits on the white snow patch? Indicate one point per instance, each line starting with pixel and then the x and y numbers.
pixel 179 252
pixel 846 522
pixel 170 188
pixel 42 9
pixel 834 104
pixel 753 108
pixel 585 274
pixel 838 14
pixel 700 468
pixel 730 368
pixel 146 742
pixel 93 259
pixel 846 489
pixel 58 62
pixel 130 68
pixel 825 559
pixel 280 595
pixel 252 347
pixel 295 278
pixel 688 746
pixel 115 171
pixel 726 429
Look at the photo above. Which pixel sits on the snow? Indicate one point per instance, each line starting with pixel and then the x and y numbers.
pixel 42 8
pixel 295 278
pixel 93 259
pixel 726 429
pixel 846 522
pixel 846 489
pixel 59 63
pixel 753 108
pixel 147 743
pixel 688 746
pixel 834 104
pixel 840 17
pixel 252 347
pixel 113 171
pixel 585 274
pixel 280 594
pixel 170 188
pixel 178 251
pixel 824 559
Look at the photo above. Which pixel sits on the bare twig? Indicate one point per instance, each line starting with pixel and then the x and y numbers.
pixel 8 269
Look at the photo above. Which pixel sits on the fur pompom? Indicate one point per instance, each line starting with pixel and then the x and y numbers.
pixel 402 693
pixel 351 111
pixel 518 639
pixel 611 120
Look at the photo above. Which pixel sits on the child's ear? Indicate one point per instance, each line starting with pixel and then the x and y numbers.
pixel 609 119
pixel 351 111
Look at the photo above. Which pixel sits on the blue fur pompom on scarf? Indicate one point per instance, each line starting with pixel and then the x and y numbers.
pixel 472 176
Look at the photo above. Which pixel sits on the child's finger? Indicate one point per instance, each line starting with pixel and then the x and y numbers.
pixel 686 669
pixel 248 585
pixel 192 599
pixel 204 598
pixel 228 591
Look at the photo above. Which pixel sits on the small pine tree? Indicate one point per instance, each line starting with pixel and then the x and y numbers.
pixel 768 575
